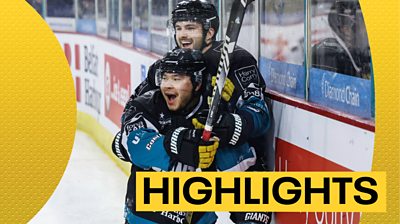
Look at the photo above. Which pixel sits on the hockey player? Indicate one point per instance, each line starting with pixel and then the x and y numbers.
pixel 195 24
pixel 348 51
pixel 157 133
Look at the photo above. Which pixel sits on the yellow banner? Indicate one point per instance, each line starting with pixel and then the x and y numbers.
pixel 261 191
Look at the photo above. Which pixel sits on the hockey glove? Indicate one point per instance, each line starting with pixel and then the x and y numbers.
pixel 229 87
pixel 232 129
pixel 200 119
pixel 186 146
pixel 118 149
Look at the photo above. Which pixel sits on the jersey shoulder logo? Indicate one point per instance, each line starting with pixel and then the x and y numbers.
pixel 247 75
pixel 135 123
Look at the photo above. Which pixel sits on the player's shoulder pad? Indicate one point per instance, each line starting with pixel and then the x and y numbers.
pixel 140 114
pixel 238 51
pixel 145 102
pixel 216 47
pixel 242 54
pixel 242 58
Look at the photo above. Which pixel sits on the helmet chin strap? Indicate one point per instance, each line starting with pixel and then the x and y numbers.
pixel 176 42
pixel 204 43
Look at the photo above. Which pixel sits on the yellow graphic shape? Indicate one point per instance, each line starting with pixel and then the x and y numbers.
pixel 38 112
pixel 382 22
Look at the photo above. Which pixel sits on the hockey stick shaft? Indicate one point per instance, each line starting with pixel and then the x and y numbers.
pixel 232 33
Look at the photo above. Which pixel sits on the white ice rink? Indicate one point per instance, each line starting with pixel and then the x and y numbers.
pixel 92 190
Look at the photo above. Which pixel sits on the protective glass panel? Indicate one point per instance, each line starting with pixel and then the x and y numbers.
pixel 113 22
pixel 341 75
pixel 101 9
pixel 142 36
pixel 126 15
pixel 86 9
pixel 142 14
pixel 159 18
pixel 86 22
pixel 61 8
pixel 248 33
pixel 282 46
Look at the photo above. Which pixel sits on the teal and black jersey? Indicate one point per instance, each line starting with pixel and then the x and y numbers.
pixel 140 142
pixel 246 78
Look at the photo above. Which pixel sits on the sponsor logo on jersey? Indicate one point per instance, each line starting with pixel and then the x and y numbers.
pixel 137 122
pixel 177 217
pixel 257 216
pixel 252 91
pixel 247 75
pixel 152 141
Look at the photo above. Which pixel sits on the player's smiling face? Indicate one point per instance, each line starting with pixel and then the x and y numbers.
pixel 189 34
pixel 177 90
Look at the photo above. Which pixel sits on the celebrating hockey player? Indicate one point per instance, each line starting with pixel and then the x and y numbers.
pixel 157 132
pixel 195 24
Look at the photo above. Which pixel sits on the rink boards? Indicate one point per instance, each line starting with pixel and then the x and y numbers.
pixel 311 139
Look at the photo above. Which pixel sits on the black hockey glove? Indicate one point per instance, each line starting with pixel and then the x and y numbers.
pixel 232 129
pixel 118 149
pixel 186 146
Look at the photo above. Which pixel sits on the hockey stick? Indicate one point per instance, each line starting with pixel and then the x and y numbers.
pixel 232 33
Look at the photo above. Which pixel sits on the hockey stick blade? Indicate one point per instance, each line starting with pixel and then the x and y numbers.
pixel 232 33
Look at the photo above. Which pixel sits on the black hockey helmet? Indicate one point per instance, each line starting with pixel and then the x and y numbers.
pixel 196 10
pixel 183 61
pixel 200 11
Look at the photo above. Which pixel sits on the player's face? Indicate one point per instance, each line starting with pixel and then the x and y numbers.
pixel 189 34
pixel 177 90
